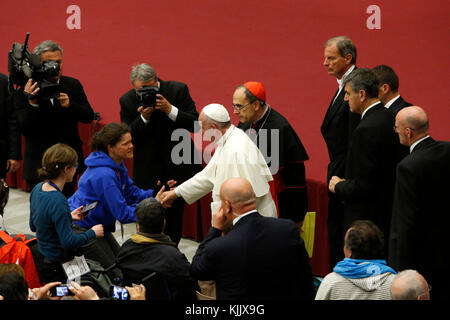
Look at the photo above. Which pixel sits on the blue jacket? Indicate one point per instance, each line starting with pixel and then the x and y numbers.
pixel 109 184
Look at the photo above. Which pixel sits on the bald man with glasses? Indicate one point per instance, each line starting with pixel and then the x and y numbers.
pixel 420 216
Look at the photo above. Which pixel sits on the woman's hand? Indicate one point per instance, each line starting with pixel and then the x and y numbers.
pixel 99 231
pixel 77 215
pixel 159 196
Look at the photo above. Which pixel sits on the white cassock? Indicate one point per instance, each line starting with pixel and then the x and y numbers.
pixel 236 155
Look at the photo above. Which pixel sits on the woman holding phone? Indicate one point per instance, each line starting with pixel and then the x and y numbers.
pixel 106 182
pixel 51 216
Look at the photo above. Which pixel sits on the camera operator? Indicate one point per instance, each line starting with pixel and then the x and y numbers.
pixel 48 112
pixel 10 140
pixel 154 108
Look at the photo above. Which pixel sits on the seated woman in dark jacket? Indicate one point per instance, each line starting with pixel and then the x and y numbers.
pixel 51 216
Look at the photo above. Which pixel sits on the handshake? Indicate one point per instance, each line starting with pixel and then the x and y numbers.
pixel 165 198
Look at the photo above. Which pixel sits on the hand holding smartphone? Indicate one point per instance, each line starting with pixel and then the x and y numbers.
pixel 119 293
pixel 87 208
pixel 60 291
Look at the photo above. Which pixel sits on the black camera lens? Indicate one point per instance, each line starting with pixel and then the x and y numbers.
pixel 147 96
pixel 50 68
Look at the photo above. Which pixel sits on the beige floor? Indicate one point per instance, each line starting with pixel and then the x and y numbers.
pixel 17 213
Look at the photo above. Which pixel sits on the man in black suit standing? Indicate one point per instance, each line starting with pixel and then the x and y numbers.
pixel 390 98
pixel 388 91
pixel 45 120
pixel 337 128
pixel 10 139
pixel 368 184
pixel 420 216
pixel 259 258
pixel 152 125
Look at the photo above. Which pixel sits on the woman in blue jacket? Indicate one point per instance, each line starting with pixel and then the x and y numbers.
pixel 106 181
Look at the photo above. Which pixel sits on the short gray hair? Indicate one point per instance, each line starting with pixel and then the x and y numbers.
pixel 47 45
pixel 345 46
pixel 363 79
pixel 142 72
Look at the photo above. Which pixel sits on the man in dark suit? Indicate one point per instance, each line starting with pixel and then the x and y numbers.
pixel 367 186
pixel 337 128
pixel 390 98
pixel 152 127
pixel 45 121
pixel 280 145
pixel 259 258
pixel 388 91
pixel 10 139
pixel 420 216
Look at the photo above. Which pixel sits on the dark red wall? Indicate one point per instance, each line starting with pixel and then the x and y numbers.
pixel 214 46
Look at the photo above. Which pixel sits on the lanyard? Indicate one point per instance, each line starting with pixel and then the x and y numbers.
pixel 53 185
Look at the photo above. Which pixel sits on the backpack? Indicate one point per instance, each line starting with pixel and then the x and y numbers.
pixel 18 252
pixel 101 279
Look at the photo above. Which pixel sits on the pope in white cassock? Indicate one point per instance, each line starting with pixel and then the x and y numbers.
pixel 236 155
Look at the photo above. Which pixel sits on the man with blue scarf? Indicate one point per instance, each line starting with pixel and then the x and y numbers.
pixel 363 274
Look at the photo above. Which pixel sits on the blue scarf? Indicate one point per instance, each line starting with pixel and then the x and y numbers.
pixel 357 269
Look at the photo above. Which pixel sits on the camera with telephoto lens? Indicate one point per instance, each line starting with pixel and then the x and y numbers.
pixel 22 65
pixel 147 96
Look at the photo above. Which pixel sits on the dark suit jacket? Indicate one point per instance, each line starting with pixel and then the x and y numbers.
pixel 289 170
pixel 152 141
pixel 337 128
pixel 49 124
pixel 398 105
pixel 260 258
pixel 370 171
pixel 421 214
pixel 10 139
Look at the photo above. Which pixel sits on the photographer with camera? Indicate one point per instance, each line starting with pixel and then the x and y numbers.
pixel 154 109
pixel 49 108
pixel 10 140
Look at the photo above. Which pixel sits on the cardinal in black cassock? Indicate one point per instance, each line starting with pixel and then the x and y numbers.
pixel 280 145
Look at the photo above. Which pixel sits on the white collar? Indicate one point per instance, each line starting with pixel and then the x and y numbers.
pixel 341 81
pixel 390 102
pixel 264 113
pixel 369 107
pixel 241 216
pixel 223 139
pixel 416 143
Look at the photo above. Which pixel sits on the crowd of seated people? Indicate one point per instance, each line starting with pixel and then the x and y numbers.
pixel 363 274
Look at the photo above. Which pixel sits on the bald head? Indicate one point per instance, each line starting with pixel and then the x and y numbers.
pixel 410 285
pixel 239 192
pixel 415 118
pixel 412 124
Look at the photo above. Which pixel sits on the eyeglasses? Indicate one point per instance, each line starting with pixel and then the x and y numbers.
pixel 239 107
pixel 395 128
